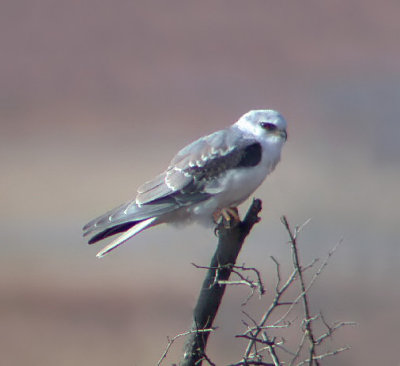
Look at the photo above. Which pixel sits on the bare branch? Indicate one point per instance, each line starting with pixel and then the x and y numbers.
pixel 205 357
pixel 258 332
pixel 297 265
pixel 325 355
pixel 252 362
pixel 279 291
pixel 253 284
pixel 331 329
pixel 313 279
pixel 273 355
pixel 229 245
pixel 173 339
pixel 266 344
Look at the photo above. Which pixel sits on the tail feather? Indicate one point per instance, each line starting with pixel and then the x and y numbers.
pixel 134 230
pixel 112 231
pixel 129 212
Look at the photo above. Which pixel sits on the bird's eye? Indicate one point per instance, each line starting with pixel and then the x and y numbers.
pixel 268 126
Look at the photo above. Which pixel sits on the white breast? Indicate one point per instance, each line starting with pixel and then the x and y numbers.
pixel 237 185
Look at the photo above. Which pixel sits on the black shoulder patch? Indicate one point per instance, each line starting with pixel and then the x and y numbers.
pixel 251 155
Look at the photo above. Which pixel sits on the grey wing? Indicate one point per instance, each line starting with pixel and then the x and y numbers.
pixel 188 179
pixel 168 191
pixel 180 178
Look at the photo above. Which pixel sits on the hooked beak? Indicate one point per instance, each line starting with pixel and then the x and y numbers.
pixel 283 134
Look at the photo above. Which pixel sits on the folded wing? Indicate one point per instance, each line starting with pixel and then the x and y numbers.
pixel 191 177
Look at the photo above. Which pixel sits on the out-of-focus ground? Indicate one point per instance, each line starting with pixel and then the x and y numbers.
pixel 97 96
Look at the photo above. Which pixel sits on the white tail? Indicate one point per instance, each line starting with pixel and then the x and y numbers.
pixel 125 236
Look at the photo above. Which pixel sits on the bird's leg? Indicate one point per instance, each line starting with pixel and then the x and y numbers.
pixel 228 216
pixel 217 216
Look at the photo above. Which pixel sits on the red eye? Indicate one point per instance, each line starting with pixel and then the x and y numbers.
pixel 268 126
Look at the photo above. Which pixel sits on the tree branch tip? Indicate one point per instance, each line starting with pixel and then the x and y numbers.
pixel 253 211
pixel 284 220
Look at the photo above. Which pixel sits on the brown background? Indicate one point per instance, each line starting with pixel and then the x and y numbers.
pixel 96 97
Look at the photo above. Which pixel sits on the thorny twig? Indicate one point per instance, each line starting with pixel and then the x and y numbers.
pixel 261 342
pixel 258 332
pixel 243 280
pixel 308 320
pixel 173 339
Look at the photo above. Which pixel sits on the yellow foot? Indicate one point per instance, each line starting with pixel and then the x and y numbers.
pixel 228 216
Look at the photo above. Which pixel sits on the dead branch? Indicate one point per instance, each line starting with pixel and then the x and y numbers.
pixel 229 245
pixel 262 342
pixel 266 344
pixel 243 280
pixel 173 339
pixel 308 320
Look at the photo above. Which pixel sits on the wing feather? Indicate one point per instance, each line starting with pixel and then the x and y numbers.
pixel 191 177
pixel 181 173
pixel 151 184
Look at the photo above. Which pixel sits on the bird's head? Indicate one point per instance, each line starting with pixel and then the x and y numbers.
pixel 265 124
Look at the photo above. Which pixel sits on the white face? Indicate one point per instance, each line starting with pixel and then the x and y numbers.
pixel 264 123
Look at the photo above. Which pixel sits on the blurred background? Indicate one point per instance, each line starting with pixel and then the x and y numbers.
pixel 97 96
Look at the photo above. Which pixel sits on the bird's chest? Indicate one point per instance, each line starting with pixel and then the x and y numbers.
pixel 232 187
pixel 229 190
pixel 237 185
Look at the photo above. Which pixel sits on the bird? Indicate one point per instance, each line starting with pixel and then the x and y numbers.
pixel 204 182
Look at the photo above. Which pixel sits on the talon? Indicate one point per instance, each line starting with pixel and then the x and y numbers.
pixel 217 216
pixel 228 216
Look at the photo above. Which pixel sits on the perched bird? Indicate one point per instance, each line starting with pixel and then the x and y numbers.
pixel 204 182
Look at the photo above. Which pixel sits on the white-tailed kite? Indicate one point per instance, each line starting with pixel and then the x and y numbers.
pixel 206 180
